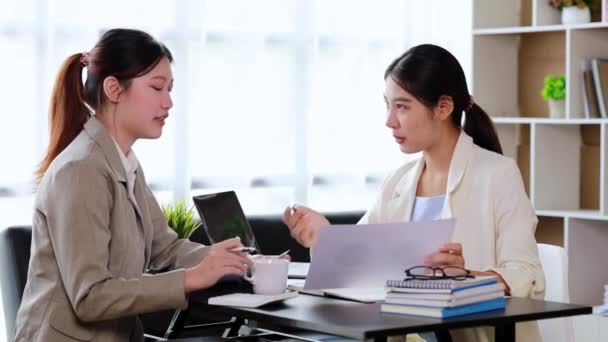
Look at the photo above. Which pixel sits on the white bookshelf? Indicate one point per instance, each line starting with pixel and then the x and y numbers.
pixel 563 161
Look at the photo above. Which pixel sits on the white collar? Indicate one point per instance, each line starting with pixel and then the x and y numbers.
pixel 129 161
pixel 460 158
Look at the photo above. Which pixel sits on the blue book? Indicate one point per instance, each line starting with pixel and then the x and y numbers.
pixel 426 311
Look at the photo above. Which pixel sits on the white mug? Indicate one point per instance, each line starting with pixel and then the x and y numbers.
pixel 268 275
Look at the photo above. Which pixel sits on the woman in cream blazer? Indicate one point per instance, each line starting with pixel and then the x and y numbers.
pixel 97 229
pixel 461 171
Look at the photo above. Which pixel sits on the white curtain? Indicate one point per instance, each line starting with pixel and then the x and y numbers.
pixel 278 99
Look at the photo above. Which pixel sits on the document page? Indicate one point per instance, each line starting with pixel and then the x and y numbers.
pixel 367 255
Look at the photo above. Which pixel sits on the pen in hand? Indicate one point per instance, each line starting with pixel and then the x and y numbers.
pixel 244 250
pixel 292 209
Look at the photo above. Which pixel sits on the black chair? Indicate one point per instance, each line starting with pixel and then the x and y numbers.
pixel 15 245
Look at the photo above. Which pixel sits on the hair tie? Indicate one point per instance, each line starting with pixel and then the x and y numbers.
pixel 84 58
pixel 471 103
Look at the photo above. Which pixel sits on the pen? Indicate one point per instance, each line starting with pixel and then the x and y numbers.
pixel 244 249
pixel 292 209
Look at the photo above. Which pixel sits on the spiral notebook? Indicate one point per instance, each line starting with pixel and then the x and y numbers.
pixel 439 285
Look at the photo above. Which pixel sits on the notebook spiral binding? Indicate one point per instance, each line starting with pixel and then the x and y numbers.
pixel 421 284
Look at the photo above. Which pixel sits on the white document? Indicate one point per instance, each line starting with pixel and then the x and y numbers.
pixel 248 300
pixel 363 295
pixel 366 256
pixel 298 270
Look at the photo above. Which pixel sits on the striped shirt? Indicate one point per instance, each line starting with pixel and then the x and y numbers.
pixel 427 208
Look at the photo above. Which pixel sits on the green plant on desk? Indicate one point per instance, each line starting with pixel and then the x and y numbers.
pixel 181 218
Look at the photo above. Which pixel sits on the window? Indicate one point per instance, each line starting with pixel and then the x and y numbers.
pixel 280 100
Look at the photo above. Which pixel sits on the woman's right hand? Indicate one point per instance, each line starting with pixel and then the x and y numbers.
pixel 304 224
pixel 220 261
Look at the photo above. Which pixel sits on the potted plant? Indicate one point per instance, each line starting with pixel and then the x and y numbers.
pixel 554 91
pixel 573 11
pixel 181 218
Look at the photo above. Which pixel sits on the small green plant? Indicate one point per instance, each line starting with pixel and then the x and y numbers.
pixel 554 88
pixel 181 218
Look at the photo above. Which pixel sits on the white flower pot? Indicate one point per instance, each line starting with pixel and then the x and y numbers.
pixel 557 109
pixel 574 15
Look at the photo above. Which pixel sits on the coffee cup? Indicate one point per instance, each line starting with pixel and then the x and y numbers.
pixel 268 275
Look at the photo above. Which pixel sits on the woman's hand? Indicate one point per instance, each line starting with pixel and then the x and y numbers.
pixel 219 262
pixel 450 254
pixel 304 224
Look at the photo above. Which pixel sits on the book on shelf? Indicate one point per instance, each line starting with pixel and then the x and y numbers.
pixel 425 311
pixel 599 68
pixel 591 106
pixel 439 285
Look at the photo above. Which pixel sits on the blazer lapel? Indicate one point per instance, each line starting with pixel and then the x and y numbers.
pixel 400 206
pixel 139 191
pixel 102 138
pixel 460 160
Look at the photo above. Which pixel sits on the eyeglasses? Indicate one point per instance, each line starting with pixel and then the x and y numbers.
pixel 445 272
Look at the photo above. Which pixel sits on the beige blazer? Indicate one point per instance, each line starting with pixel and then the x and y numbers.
pixel 495 221
pixel 91 248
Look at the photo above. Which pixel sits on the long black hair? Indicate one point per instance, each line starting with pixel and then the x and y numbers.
pixel 428 72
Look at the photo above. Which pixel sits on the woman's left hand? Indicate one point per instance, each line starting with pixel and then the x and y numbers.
pixel 448 254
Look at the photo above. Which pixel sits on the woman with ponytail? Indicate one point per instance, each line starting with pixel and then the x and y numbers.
pixel 460 174
pixel 97 228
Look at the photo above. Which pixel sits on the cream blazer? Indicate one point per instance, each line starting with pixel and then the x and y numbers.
pixel 92 244
pixel 495 221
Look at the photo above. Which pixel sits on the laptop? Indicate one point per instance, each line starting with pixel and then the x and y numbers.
pixel 223 218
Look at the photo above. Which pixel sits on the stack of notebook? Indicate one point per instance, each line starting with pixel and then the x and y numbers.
pixel 443 298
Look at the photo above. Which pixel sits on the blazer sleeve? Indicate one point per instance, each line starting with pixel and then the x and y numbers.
pixel 516 250
pixel 168 251
pixel 79 202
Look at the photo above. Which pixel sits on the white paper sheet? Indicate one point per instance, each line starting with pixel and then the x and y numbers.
pixel 365 256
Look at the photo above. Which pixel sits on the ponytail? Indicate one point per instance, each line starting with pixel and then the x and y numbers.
pixel 479 126
pixel 67 111
pixel 429 72
pixel 120 53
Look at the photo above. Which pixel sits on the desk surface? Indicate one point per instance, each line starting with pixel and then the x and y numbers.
pixel 365 321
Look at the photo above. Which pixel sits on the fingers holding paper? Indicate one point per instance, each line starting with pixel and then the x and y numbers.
pixel 447 254
pixel 304 224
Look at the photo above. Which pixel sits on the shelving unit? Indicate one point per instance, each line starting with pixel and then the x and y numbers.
pixel 563 161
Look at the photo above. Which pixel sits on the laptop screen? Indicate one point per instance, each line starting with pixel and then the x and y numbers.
pixel 223 218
